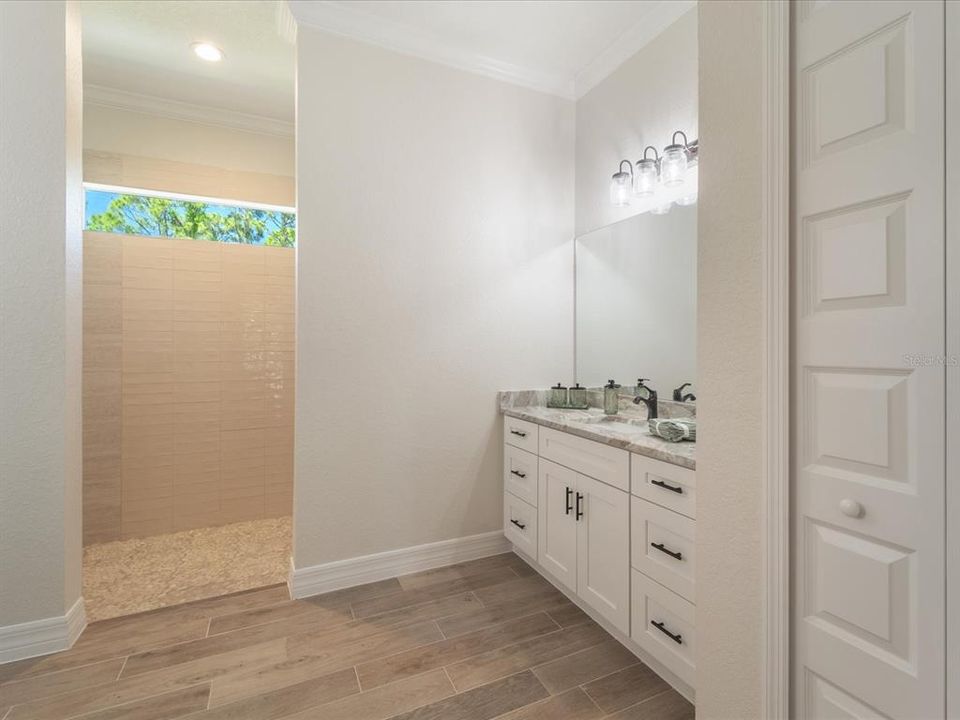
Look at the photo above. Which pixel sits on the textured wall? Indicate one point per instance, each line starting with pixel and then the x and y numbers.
pixel 435 212
pixel 188 384
pixel 729 361
pixel 641 103
pixel 41 215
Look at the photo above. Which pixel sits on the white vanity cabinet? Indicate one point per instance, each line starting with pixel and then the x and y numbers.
pixel 584 528
pixel 615 529
pixel 663 558
pixel 583 514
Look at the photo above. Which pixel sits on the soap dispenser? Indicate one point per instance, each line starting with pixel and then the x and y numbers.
pixel 611 398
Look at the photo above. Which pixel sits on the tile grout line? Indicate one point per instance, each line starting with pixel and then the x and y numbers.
pixel 645 700
pixel 583 686
pixel 28 678
pixel 450 680
pixel 306 611
pixel 534 668
pixel 530 668
pixel 143 698
pixel 435 642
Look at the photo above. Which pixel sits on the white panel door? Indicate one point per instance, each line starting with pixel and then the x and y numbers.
pixel 603 550
pixel 557 522
pixel 869 414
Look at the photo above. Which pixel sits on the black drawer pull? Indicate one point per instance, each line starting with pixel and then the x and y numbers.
pixel 518 523
pixel 579 507
pixel 665 486
pixel 678 638
pixel 569 506
pixel 662 548
pixel 518 473
pixel 518 433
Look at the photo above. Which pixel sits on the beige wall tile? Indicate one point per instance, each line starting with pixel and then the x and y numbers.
pixel 188 385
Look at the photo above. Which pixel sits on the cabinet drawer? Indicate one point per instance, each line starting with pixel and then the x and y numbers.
pixel 520 433
pixel 663 546
pixel 671 486
pixel 607 464
pixel 663 624
pixel 520 473
pixel 520 524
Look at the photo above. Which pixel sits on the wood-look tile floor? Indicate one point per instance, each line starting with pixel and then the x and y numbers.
pixel 474 641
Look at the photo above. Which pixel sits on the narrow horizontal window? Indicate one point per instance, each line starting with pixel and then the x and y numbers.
pixel 134 212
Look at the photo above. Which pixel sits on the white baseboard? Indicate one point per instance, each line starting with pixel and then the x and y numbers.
pixel 42 637
pixel 318 579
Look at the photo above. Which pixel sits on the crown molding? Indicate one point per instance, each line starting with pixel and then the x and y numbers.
pixel 338 19
pixel 178 110
pixel 654 21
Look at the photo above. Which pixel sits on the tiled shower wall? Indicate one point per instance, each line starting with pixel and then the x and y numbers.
pixel 188 391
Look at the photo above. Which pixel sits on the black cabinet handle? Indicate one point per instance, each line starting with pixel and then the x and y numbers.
pixel 662 548
pixel 678 638
pixel 569 506
pixel 518 473
pixel 665 486
pixel 518 433
pixel 518 523
pixel 579 506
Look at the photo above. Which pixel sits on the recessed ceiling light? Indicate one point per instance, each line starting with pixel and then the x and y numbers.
pixel 207 51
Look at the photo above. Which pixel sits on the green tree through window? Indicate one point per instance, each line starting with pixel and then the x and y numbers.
pixel 145 215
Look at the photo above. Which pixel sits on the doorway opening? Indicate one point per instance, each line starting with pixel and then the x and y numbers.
pixel 189 299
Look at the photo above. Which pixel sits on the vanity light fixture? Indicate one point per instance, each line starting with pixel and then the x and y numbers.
pixel 661 181
pixel 673 166
pixel 621 184
pixel 645 179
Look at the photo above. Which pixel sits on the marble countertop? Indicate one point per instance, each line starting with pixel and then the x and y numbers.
pixel 627 430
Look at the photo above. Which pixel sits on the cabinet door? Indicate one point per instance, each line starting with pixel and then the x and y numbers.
pixel 557 522
pixel 603 550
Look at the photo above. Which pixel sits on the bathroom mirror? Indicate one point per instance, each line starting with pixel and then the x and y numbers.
pixel 636 283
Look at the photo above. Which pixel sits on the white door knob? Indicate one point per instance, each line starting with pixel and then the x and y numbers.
pixel 851 508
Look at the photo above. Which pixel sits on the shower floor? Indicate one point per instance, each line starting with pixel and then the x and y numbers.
pixel 130 576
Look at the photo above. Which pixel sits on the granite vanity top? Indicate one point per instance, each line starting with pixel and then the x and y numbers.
pixel 627 430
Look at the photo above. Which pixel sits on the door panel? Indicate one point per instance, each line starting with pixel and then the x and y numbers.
pixel 603 559
pixel 868 392
pixel 557 526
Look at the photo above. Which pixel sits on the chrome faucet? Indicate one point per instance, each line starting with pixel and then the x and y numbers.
pixel 647 396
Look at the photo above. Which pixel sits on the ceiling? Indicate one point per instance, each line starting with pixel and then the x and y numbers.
pixel 142 47
pixel 137 54
pixel 559 46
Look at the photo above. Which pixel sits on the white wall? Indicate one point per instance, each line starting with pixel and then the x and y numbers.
pixel 435 268
pixel 729 363
pixel 40 304
pixel 641 103
pixel 124 147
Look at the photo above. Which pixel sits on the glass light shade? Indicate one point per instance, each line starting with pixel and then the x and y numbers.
pixel 620 187
pixel 645 181
pixel 673 166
